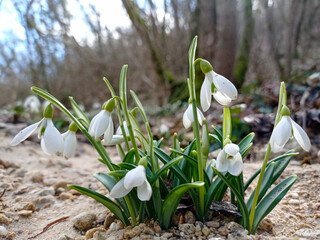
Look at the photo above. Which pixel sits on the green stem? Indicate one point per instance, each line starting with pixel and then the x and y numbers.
pixel 196 130
pixel 256 195
pixel 131 210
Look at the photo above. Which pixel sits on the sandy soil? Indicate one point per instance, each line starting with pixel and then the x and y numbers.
pixel 36 194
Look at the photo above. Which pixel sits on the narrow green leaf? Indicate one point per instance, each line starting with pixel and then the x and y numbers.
pixel 243 209
pixel 217 139
pixel 129 157
pixel 127 166
pixel 189 158
pixel 164 168
pixel 210 194
pixel 139 105
pixel 118 173
pixel 271 200
pixel 172 200
pixel 218 133
pixel 246 141
pixel 79 113
pixel 113 207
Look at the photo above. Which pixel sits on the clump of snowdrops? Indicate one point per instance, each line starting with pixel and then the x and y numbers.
pixel 138 183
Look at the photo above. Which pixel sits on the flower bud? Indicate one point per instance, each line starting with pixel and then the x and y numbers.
pixel 109 105
pixel 48 111
pixel 226 141
pixel 205 138
pixel 73 127
pixel 205 66
pixel 143 161
pixel 285 111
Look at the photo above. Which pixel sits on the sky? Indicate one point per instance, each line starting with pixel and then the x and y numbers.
pixel 113 15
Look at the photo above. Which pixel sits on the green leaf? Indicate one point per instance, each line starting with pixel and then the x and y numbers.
pixel 164 168
pixel 210 194
pixel 246 141
pixel 139 105
pixel 217 139
pixel 127 166
pixel 243 208
pixel 283 157
pixel 271 200
pixel 113 207
pixel 266 183
pixel 189 158
pixel 118 173
pixel 172 200
pixel 79 113
pixel 219 133
pixel 129 158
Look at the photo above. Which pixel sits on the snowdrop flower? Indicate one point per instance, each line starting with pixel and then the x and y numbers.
pixel 285 129
pixel 230 160
pixel 102 123
pixel 188 116
pixel 118 137
pixel 51 139
pixel 134 178
pixel 214 84
pixel 32 104
pixel 70 141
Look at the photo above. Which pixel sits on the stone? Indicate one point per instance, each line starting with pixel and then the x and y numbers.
pixel 206 231
pixel 90 232
pixel 308 233
pixel 64 237
pixel 167 235
pixel 266 225
pixel 187 228
pixel 84 221
pixel 108 220
pixel 295 195
pixel 47 191
pixel 29 206
pixel 44 202
pixel 114 227
pixel 65 196
pixel 189 217
pixel 37 177
pixel 213 224
pixel 157 228
pixel 4 219
pixel 294 202
pixel 223 231
pixel 130 233
pixel 3 231
pixel 25 213
pixel 11 235
pixel 61 184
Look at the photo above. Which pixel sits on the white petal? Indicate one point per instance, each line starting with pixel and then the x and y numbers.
pixel 231 149
pixel 205 94
pixel 92 124
pixel 43 146
pixel 281 134
pixel 190 112
pixel 118 190
pixel 144 191
pixel 222 163
pixel 135 177
pixel 221 98
pixel 225 86
pixel 200 116
pixel 53 140
pixel 70 144
pixel 24 133
pixel 109 132
pixel 186 121
pixel 116 139
pixel 101 123
pixel 301 136
pixel 236 165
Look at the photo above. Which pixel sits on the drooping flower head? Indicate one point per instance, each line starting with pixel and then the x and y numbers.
pixel 102 123
pixel 32 104
pixel 188 116
pixel 134 178
pixel 70 141
pixel 51 139
pixel 285 129
pixel 217 86
pixel 230 160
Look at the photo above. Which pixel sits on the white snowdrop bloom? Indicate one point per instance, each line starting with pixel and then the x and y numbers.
pixel 224 91
pixel 230 160
pixel 125 126
pixel 51 139
pixel 102 124
pixel 32 104
pixel 116 139
pixel 134 178
pixel 188 117
pixel 284 130
pixel 70 143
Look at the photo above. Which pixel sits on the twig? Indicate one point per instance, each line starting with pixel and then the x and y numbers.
pixel 48 226
pixel 3 192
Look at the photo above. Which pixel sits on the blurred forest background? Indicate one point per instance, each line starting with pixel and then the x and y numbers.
pixel 254 43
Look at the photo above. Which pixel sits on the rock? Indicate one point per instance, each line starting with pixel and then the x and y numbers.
pixel 237 232
pixel 216 238
pixel 308 233
pixel 64 237
pixel 206 231
pixel 130 233
pixel 4 219
pixel 25 213
pixel 157 228
pixel 189 217
pixel 187 228
pixel 61 184
pixel 90 232
pixel 114 227
pixel 84 221
pixel 37 177
pixel 11 235
pixel 213 224
pixel 108 220
pixel 3 231
pixel 266 225
pixel 295 195
pixel 47 192
pixel 29 206
pixel 44 202
pixel 21 173
pixel 294 202
pixel 223 231
pixel 65 196
pixel 167 235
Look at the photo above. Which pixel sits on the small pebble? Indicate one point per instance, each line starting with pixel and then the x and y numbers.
pixel 47 191
pixel 84 221
pixel 3 231
pixel 223 231
pixel 130 233
pixel 213 224
pixel 25 213
pixel 90 232
pixel 4 219
pixel 294 202
pixel 30 206
pixel 37 177
pixel 206 231
pixel 65 196
pixel 108 220
pixel 189 217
